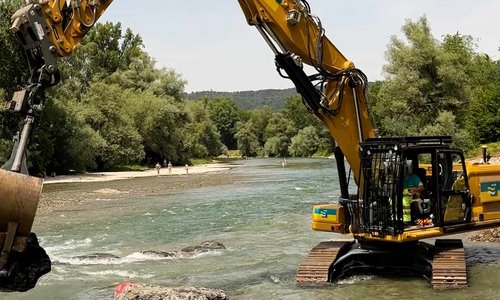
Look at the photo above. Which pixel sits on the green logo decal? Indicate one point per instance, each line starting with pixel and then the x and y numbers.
pixel 491 188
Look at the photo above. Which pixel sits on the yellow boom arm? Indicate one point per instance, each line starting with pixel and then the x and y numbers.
pixel 289 27
pixel 65 23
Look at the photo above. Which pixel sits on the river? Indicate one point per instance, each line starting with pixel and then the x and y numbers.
pixel 263 219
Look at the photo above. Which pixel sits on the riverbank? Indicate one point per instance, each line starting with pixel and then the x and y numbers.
pixel 110 176
pixel 70 192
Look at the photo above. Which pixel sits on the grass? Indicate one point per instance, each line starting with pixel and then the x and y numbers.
pixel 234 153
pixel 199 161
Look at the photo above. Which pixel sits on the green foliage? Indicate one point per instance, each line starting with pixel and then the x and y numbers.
pixel 247 138
pixel 103 108
pixel 296 111
pixel 305 143
pixel 161 123
pixel 437 87
pixel 483 116
pixel 103 51
pixel 224 114
pixel 420 82
pixel 278 135
pixel 14 72
pixel 203 138
pixel 62 141
pixel 246 100
pixel 493 150
pixel 13 64
pixel 326 144
pixel 260 119
pixel 446 124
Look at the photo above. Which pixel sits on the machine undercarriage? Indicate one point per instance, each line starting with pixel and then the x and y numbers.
pixel 443 263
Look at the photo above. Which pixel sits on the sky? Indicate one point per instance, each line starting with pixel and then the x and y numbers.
pixel 211 46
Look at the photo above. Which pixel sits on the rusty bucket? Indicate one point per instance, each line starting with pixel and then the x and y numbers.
pixel 19 196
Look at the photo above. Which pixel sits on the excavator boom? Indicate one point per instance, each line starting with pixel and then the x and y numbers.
pixel 336 94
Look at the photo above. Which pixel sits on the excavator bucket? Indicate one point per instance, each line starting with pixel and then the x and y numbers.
pixel 19 196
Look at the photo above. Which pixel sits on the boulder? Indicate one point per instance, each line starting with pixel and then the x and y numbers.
pixel 24 269
pixel 136 291
pixel 160 253
pixel 98 256
pixel 205 247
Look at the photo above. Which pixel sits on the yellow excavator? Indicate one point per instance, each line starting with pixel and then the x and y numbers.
pixel 407 188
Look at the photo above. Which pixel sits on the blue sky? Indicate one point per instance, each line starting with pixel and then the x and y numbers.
pixel 210 44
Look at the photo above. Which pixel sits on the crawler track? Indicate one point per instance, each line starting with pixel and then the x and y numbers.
pixel 448 267
pixel 314 268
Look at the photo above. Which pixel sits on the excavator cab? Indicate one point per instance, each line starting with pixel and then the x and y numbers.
pixel 410 188
pixel 412 184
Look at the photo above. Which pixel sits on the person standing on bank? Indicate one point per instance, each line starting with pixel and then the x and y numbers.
pixel 158 167
pixel 169 167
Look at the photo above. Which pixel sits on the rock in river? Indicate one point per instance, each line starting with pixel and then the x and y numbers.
pixel 136 291
pixel 160 253
pixel 98 256
pixel 205 247
pixel 24 269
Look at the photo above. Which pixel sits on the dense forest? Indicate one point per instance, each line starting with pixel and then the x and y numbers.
pixel 115 108
pixel 273 98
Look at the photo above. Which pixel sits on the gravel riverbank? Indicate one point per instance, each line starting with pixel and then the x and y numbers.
pixel 72 192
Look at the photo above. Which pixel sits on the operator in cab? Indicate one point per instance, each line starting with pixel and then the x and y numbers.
pixel 412 187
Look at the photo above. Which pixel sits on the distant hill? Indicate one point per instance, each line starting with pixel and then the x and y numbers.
pixel 249 99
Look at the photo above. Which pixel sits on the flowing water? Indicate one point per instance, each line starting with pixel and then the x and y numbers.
pixel 263 218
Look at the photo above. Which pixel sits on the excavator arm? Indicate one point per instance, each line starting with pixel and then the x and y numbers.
pixel 336 93
pixel 65 23
pixel 47 30
pixel 51 29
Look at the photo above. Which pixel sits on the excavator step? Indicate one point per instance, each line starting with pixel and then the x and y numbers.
pixel 314 269
pixel 448 266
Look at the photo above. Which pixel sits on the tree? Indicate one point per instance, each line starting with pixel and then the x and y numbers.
pixel 224 114
pixel 246 136
pixel 203 137
pixel 278 135
pixel 103 51
pixel 161 123
pixel 14 70
pixel 425 79
pixel 141 75
pixel 446 124
pixel 305 143
pixel 322 141
pixel 260 119
pixel 103 108
pixel 63 142
pixel 14 73
pixel 296 111
pixel 483 114
pixel 204 140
